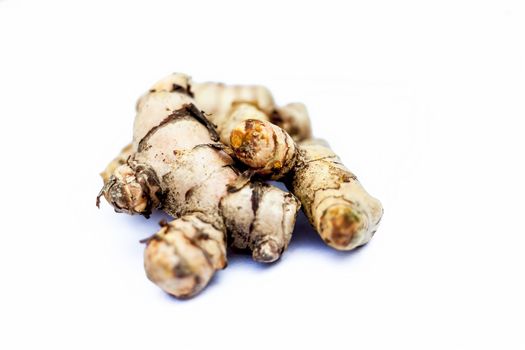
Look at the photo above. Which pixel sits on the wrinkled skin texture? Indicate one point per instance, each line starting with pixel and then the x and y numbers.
pixel 182 257
pixel 334 201
pixel 255 226
pixel 266 148
pixel 177 165
pixel 180 161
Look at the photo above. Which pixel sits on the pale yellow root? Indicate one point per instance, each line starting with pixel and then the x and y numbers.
pixel 183 256
pixel 177 165
pixel 334 201
pixel 336 204
pixel 266 148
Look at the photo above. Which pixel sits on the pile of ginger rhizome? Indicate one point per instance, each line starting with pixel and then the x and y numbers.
pixel 202 153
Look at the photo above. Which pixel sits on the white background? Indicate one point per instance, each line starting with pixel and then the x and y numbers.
pixel 423 100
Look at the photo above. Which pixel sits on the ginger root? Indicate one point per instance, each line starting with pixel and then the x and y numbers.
pixel 334 201
pixel 336 204
pixel 183 256
pixel 178 165
pixel 180 161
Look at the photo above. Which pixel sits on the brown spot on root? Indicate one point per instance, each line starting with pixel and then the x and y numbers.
pixel 150 183
pixel 203 236
pixel 276 118
pixel 189 193
pixel 181 270
pixel 249 124
pixel 258 189
pixel 198 281
pixel 181 89
pixel 189 92
pixel 341 175
pixel 247 140
pixel 256 197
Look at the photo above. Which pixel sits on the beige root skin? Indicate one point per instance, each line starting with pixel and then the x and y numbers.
pixel 183 256
pixel 266 148
pixel 175 145
pixel 334 201
pixel 255 226
pixel 336 204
